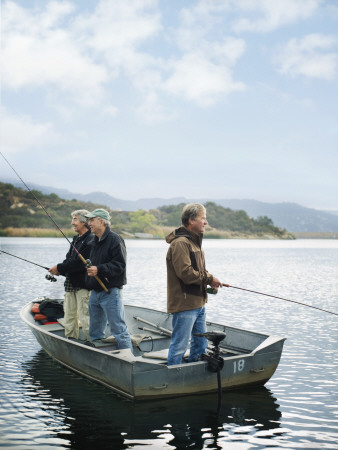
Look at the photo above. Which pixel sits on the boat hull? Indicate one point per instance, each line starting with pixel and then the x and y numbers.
pixel 249 359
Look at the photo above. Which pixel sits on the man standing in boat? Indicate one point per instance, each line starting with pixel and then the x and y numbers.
pixel 76 294
pixel 108 257
pixel 187 281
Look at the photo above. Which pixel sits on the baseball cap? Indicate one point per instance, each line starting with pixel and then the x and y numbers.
pixel 102 213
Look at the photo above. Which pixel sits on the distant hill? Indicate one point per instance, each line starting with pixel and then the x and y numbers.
pixel 21 213
pixel 289 216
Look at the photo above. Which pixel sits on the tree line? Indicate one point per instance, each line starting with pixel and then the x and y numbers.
pixel 19 210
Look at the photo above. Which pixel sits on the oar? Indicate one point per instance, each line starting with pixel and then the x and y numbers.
pixel 150 330
pixel 164 330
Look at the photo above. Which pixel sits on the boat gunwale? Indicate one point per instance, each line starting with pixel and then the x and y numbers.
pixel 242 352
pixel 140 367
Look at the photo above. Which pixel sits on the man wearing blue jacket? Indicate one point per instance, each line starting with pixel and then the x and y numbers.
pixel 108 257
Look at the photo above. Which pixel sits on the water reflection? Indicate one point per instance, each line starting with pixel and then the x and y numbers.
pixel 82 414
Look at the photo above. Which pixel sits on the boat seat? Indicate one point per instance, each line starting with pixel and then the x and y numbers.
pixel 53 327
pixel 161 354
pixel 135 339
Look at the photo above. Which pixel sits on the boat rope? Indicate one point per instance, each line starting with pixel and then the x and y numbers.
pixel 87 263
pixel 280 298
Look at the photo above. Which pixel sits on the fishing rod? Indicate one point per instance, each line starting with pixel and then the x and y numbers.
pixel 86 262
pixel 48 276
pixel 280 298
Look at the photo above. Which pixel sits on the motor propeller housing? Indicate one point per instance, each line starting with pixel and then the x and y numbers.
pixel 214 336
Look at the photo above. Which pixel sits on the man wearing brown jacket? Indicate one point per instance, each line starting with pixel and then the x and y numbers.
pixel 187 280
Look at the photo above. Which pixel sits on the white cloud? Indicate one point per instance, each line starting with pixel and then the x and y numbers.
pixel 199 21
pixel 309 57
pixel 198 78
pixel 76 53
pixel 110 110
pixel 267 15
pixel 244 15
pixel 202 72
pixel 151 111
pixel 117 25
pixel 59 50
pixel 19 132
pixel 39 51
pixel 117 31
pixel 62 49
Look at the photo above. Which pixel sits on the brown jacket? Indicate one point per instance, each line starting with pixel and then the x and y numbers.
pixel 187 277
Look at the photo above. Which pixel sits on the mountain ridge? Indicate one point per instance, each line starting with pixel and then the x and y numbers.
pixel 286 215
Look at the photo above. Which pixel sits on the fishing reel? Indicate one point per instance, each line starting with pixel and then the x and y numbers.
pixel 215 361
pixel 50 277
pixel 212 291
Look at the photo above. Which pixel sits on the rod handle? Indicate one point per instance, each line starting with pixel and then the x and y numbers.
pixel 96 277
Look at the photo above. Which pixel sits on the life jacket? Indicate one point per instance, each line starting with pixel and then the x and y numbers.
pixel 48 311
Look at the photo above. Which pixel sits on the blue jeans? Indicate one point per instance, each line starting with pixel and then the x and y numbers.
pixel 107 307
pixel 185 323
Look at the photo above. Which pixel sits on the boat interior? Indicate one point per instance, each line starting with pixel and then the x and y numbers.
pixel 150 332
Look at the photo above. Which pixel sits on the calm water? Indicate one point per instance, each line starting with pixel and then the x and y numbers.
pixel 44 405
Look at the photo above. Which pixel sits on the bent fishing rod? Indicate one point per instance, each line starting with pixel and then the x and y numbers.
pixel 48 277
pixel 280 298
pixel 86 262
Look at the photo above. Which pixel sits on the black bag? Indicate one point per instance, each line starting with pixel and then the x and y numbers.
pixel 52 309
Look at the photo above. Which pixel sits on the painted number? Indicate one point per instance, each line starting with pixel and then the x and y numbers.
pixel 239 365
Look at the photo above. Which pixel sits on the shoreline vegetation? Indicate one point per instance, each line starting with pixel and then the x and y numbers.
pixel 21 216
pixel 209 234
pixel 158 233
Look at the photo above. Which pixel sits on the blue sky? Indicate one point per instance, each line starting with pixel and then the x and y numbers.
pixel 200 99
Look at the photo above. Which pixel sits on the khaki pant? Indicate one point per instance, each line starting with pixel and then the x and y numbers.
pixel 75 307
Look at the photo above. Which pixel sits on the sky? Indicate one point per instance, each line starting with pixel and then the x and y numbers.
pixel 231 99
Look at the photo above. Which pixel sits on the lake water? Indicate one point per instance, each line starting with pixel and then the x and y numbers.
pixel 44 405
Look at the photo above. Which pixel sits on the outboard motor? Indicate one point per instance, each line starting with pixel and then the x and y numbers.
pixel 215 361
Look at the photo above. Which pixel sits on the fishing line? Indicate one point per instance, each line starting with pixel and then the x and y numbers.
pixel 32 193
pixel 49 277
pixel 280 298
pixel 23 259
pixel 86 262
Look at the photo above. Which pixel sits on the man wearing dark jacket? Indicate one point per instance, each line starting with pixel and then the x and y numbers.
pixel 76 294
pixel 108 257
pixel 187 280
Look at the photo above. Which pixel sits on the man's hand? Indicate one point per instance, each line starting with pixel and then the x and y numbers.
pixel 216 283
pixel 92 271
pixel 54 270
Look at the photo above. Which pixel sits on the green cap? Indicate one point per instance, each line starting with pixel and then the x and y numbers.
pixel 102 213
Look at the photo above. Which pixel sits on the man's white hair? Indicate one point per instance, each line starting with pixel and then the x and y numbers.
pixel 81 215
pixel 191 211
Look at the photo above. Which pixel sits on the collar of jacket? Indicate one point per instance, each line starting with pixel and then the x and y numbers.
pixel 82 237
pixel 184 232
pixel 103 237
